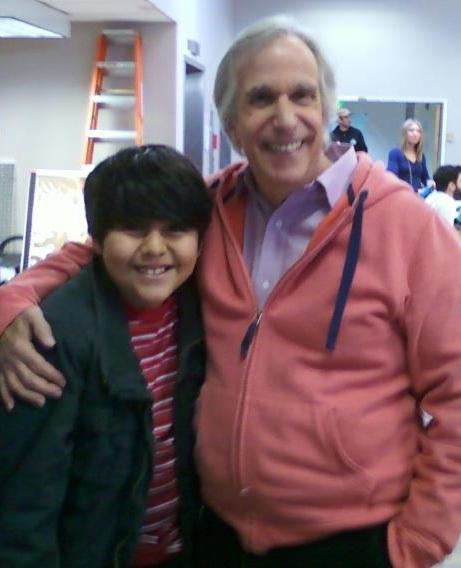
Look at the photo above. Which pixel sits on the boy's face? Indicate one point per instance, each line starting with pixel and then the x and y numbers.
pixel 148 264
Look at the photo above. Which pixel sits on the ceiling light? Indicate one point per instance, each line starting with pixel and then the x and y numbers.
pixel 11 27
pixel 33 19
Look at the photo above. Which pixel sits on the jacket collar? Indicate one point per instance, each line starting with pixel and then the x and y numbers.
pixel 119 365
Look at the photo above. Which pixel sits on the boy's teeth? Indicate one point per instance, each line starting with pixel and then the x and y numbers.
pixel 153 271
pixel 287 147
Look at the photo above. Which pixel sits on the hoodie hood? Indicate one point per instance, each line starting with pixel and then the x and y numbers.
pixel 373 177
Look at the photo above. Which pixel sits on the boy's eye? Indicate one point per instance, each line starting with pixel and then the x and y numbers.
pixel 135 233
pixel 175 228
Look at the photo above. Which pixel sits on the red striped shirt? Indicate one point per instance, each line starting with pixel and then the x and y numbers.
pixel 154 339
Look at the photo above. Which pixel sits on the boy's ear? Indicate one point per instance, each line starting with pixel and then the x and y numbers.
pixel 97 247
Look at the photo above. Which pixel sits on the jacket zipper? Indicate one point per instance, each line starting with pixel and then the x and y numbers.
pixel 134 489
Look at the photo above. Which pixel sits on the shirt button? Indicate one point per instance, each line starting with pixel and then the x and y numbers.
pixel 266 284
pixel 244 491
pixel 279 224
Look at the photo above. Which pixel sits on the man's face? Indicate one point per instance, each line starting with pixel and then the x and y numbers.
pixel 344 121
pixel 279 118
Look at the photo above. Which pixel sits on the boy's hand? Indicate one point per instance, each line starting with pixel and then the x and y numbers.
pixel 24 373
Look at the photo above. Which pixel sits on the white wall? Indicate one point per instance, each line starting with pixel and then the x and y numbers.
pixel 210 22
pixel 43 105
pixel 45 85
pixel 384 48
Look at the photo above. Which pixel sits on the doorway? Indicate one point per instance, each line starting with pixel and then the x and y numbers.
pixel 194 112
pixel 380 121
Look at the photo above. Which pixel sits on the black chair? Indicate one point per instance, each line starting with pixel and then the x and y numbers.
pixel 10 262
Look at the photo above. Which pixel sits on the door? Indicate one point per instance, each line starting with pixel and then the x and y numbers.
pixel 194 111
pixel 381 121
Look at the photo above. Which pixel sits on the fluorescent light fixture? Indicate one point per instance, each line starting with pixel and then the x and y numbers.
pixel 33 19
pixel 11 27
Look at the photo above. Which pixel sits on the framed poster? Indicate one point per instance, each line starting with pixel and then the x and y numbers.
pixel 55 213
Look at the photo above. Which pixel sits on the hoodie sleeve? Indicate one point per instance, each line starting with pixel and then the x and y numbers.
pixel 428 526
pixel 28 288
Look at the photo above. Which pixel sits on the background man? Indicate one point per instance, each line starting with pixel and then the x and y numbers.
pixel 447 182
pixel 346 133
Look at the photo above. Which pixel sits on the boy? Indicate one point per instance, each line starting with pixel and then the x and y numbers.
pixel 82 478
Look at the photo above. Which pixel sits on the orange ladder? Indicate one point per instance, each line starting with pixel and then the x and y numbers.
pixel 115 101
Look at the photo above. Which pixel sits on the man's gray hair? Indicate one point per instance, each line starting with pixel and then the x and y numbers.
pixel 251 40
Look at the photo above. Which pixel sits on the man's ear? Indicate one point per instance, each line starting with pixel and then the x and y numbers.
pixel 235 139
pixel 451 188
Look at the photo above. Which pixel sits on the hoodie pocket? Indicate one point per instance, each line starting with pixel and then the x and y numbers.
pixel 291 453
pixel 295 452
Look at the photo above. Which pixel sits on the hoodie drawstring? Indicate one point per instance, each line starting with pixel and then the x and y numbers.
pixel 350 264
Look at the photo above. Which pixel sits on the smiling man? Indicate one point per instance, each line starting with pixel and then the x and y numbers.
pixel 331 323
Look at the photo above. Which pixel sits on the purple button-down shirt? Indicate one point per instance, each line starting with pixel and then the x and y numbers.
pixel 275 239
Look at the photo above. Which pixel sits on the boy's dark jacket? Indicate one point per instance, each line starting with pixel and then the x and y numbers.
pixel 74 475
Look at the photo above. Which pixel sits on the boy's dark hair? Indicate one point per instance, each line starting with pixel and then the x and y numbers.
pixel 444 175
pixel 144 183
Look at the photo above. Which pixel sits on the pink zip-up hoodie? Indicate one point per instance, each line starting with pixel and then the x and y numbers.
pixel 308 422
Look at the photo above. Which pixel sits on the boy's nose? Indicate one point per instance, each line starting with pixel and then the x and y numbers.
pixel 154 243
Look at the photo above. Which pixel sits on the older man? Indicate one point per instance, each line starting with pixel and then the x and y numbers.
pixel 329 424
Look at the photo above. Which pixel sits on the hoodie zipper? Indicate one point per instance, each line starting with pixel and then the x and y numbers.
pixel 250 334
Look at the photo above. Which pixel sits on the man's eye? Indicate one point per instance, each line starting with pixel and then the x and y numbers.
pixel 260 98
pixel 304 96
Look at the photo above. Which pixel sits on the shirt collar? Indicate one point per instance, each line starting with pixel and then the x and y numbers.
pixel 335 179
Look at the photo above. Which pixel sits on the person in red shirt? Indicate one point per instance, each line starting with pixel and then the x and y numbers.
pixel 105 476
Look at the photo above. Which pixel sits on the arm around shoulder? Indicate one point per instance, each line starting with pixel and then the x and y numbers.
pixel 28 288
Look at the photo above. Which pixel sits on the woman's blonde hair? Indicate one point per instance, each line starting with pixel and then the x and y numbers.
pixel 419 146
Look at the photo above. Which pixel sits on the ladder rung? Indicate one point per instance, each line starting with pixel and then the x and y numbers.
pixel 120 36
pixel 112 100
pixel 117 91
pixel 112 135
pixel 120 68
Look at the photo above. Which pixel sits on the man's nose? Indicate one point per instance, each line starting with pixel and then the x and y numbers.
pixel 285 113
pixel 153 243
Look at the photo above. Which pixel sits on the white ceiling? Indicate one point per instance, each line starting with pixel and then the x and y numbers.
pixel 108 10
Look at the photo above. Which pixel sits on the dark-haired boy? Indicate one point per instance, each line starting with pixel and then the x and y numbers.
pixel 104 477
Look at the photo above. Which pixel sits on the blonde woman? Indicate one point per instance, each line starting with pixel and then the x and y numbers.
pixel 408 162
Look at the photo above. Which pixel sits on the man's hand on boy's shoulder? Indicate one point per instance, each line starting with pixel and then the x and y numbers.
pixel 24 373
